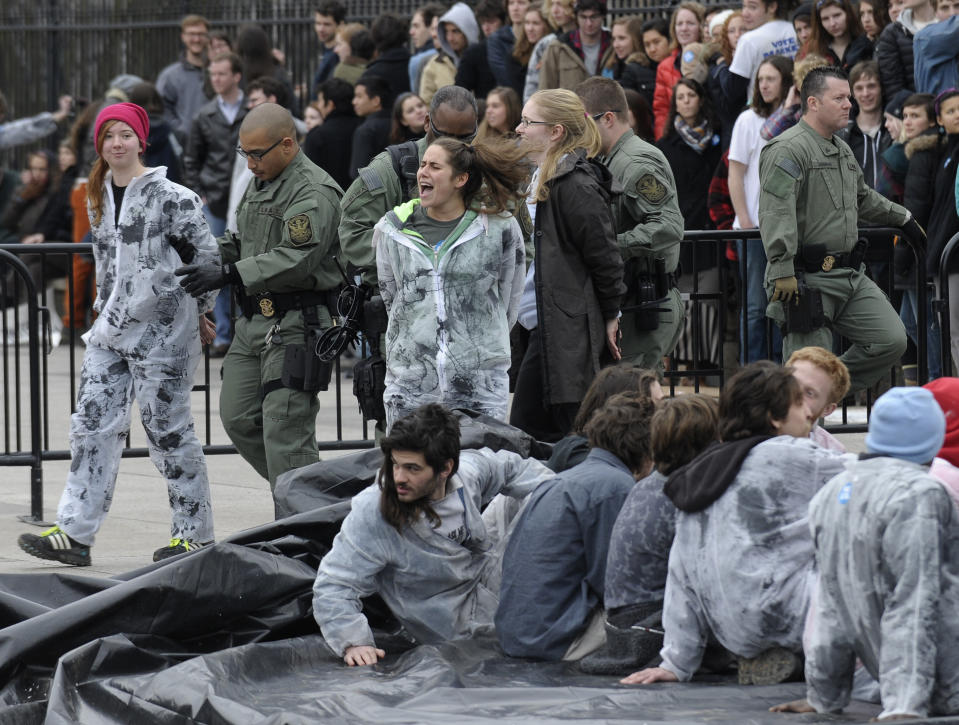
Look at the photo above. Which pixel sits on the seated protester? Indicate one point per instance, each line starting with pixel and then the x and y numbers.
pixel 824 380
pixel 741 567
pixel 354 47
pixel 572 450
pixel 554 568
pixel 886 539
pixel 373 134
pixel 417 539
pixel 392 58
pixel 945 466
pixel 473 71
pixel 866 133
pixel 837 35
pixel 457 29
pixel 330 145
pixel 636 565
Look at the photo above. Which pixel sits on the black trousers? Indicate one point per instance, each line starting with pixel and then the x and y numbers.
pixel 530 413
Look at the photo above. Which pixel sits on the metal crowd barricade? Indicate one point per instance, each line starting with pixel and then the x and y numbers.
pixel 941 303
pixel 14 453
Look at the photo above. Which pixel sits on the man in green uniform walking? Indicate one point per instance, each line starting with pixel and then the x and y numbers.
pixel 811 200
pixel 649 227
pixel 283 258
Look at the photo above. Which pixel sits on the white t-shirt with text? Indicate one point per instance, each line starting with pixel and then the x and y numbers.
pixel 777 37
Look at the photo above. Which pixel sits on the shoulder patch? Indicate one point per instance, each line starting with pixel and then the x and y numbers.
pixel 300 229
pixel 651 189
pixel 790 167
pixel 371 178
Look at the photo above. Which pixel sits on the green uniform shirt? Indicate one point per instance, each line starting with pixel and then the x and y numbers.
pixel 374 193
pixel 647 217
pixel 287 231
pixel 812 192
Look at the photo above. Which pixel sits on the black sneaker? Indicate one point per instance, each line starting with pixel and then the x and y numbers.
pixel 54 544
pixel 177 547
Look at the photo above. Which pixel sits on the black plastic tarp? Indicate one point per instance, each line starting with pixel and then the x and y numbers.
pixel 226 635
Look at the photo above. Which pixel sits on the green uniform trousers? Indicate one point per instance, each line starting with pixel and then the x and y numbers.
pixel 646 348
pixel 858 310
pixel 276 433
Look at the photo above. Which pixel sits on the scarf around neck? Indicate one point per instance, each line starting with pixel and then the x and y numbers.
pixel 698 137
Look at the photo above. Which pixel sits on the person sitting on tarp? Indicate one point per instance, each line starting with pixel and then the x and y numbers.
pixel 551 600
pixel 418 539
pixel 741 565
pixel 636 565
pixel 886 535
pixel 824 380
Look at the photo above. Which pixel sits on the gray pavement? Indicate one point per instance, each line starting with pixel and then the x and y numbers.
pixel 139 520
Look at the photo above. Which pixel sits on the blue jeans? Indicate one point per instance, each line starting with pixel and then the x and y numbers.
pixel 908 315
pixel 753 343
pixel 221 309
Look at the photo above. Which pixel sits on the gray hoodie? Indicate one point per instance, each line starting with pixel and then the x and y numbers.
pixel 462 17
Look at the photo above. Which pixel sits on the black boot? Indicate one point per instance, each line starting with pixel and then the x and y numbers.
pixel 627 648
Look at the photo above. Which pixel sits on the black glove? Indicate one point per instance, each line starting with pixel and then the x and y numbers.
pixel 183 248
pixel 201 278
pixel 903 260
pixel 915 233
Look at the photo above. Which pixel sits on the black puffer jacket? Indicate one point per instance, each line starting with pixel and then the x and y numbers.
pixel 894 53
pixel 634 72
pixel 860 48
pixel 210 154
pixel 578 276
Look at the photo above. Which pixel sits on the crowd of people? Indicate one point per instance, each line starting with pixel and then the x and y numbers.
pixel 510 187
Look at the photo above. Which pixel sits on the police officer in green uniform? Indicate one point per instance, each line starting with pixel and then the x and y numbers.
pixel 283 258
pixel 378 188
pixel 649 227
pixel 811 200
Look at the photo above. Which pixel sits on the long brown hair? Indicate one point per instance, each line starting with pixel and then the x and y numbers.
pixel 514 111
pixel 496 168
pixel 523 48
pixel 819 39
pixel 98 174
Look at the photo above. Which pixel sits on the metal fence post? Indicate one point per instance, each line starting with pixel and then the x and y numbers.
pixel 36 444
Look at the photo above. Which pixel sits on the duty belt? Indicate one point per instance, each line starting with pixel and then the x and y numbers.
pixel 273 304
pixel 816 259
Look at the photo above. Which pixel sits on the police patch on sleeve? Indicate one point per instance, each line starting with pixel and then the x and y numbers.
pixel 651 189
pixel 300 230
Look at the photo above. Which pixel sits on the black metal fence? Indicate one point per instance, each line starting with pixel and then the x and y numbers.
pixel 52 47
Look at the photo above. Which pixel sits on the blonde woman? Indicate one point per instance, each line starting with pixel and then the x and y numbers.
pixel 570 303
pixel 559 14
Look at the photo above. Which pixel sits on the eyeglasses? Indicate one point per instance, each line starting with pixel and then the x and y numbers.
pixel 526 123
pixel 465 137
pixel 597 116
pixel 257 155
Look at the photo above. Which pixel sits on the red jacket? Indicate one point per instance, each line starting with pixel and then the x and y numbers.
pixel 666 76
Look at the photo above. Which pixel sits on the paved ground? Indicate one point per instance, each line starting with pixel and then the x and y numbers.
pixel 139 520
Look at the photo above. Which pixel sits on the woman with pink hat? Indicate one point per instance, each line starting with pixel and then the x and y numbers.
pixel 144 345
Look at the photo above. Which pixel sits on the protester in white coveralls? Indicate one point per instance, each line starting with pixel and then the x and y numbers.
pixel 144 345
